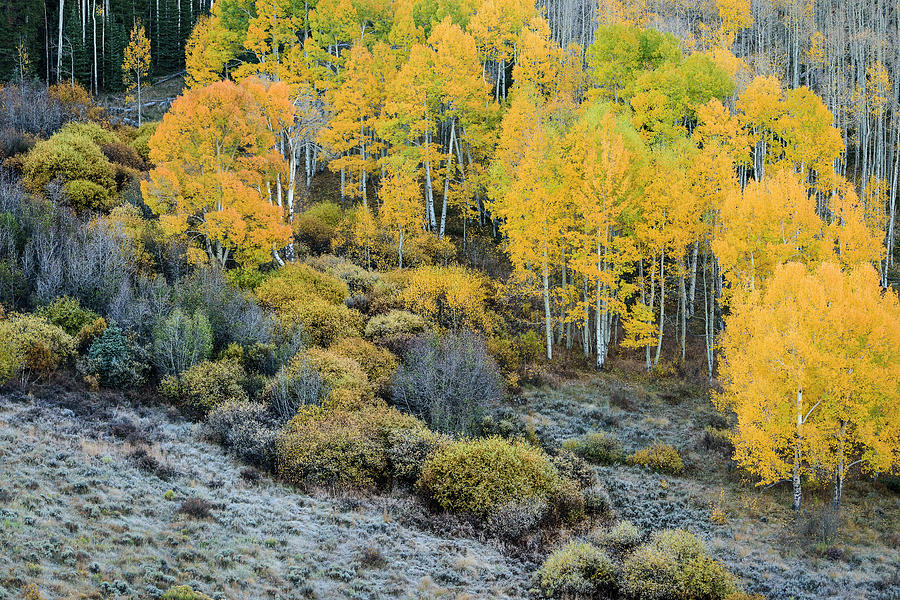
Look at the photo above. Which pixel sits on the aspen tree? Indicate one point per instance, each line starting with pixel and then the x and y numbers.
pixel 136 63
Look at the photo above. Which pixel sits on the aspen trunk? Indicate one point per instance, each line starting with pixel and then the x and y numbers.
pixel 547 318
pixel 798 491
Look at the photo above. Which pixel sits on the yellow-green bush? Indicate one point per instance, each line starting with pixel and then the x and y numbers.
pixel 674 564
pixel 206 385
pixel 379 364
pixel 317 225
pixel 658 457
pixel 72 154
pixel 67 313
pixel 32 347
pixel 338 372
pixel 300 283
pixel 323 323
pixel 577 571
pixel 597 447
pixel 650 574
pixel 341 447
pixel 395 324
pixel 427 249
pixel 183 592
pixel 450 297
pixel 141 141
pixel 474 476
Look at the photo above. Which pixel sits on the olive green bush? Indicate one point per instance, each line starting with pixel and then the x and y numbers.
pixel 379 364
pixel 205 385
pixel 658 457
pixel 338 447
pixel 597 447
pixel 31 347
pixel 624 536
pixel 299 283
pixel 577 571
pixel 396 324
pixel 183 592
pixel 476 476
pixel 67 313
pixel 317 225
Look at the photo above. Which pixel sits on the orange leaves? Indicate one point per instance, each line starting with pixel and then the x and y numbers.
pixel 214 156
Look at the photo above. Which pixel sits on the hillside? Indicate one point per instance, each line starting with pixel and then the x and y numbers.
pixel 94 484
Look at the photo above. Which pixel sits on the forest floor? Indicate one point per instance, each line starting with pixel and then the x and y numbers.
pixel 93 489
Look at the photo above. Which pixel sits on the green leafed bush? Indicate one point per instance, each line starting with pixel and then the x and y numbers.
pixel 32 347
pixel 183 592
pixel 597 447
pixel 394 324
pixel 347 448
pixel 206 385
pixel 67 313
pixel 475 476
pixel 577 571
pixel 658 457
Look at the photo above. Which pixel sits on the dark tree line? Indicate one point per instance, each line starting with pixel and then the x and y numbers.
pixel 83 40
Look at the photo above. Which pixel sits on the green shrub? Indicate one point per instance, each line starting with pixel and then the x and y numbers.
pixel 597 447
pixel 478 475
pixel 67 313
pixel 112 359
pixel 141 142
pixel 684 546
pixel 87 195
pixel 674 564
pixel 206 385
pixel 567 502
pixel 72 154
pixel 341 447
pixel 317 225
pixel 624 536
pixel 358 280
pixel 571 466
pixel 183 592
pixel 703 578
pixel 577 571
pixel 181 341
pixel 408 449
pixel 395 324
pixel 337 372
pixel 650 574
pixel 32 347
pixel 378 363
pixel 658 457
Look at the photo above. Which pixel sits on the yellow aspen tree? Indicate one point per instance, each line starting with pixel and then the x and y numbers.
pixel 526 197
pixel 772 352
pixel 400 212
pixel 598 165
pixel 735 15
pixel 136 63
pixel 860 377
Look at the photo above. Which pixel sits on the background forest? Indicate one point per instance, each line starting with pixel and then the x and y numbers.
pixel 605 291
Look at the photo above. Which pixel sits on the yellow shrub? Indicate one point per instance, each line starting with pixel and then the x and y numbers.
pixel 478 475
pixel 323 323
pixel 577 570
pixel 659 457
pixel 379 364
pixel 450 297
pixel 300 283
pixel 337 371
pixel 395 324
pixel 341 447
